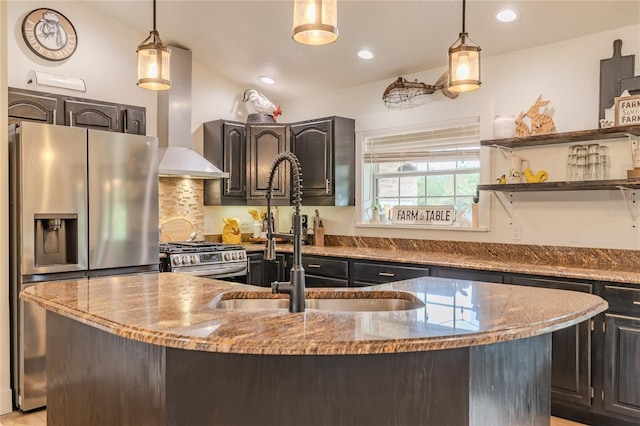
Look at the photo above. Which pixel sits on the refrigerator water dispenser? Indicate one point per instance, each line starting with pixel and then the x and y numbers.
pixel 56 238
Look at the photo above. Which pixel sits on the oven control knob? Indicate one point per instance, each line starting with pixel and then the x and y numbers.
pixel 176 260
pixel 234 256
pixel 193 259
pixel 241 255
pixel 226 256
pixel 185 260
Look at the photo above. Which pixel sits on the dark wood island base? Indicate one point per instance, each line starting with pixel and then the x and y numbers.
pixel 98 378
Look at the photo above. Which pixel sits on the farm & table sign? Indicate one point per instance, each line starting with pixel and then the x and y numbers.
pixel 423 215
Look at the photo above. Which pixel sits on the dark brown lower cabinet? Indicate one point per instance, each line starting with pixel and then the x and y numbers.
pixel 466 274
pixel 372 273
pixel 325 271
pixel 622 365
pixel 263 273
pixel 571 348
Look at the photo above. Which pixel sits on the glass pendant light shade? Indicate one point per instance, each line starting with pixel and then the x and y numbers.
pixel 464 66
pixel 154 71
pixel 315 22
pixel 154 58
pixel 464 61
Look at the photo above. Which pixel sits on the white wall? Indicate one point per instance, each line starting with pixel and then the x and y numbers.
pixel 565 73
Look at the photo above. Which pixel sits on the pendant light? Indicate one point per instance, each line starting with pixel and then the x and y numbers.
pixel 464 62
pixel 153 61
pixel 315 22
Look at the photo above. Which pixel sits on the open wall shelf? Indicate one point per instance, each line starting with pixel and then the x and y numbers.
pixel 567 137
pixel 591 185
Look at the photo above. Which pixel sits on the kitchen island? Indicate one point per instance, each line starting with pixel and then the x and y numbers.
pixel 155 349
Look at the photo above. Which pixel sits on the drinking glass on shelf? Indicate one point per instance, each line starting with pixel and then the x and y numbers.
pixel 605 165
pixel 572 162
pixel 581 163
pixel 593 167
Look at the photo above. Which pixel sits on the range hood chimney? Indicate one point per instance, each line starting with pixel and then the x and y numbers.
pixel 177 159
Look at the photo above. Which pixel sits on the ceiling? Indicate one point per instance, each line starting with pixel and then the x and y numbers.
pixel 242 40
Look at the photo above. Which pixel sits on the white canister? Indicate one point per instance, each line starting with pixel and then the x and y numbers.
pixel 504 126
pixel 257 228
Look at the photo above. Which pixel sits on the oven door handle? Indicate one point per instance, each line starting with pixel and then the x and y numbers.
pixel 220 270
pixel 198 273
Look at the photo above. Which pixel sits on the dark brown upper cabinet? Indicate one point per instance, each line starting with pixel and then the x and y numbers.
pixel 29 105
pixel 246 152
pixel 265 142
pixel 326 150
pixel 225 147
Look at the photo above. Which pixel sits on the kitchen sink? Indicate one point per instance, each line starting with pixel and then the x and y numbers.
pixel 327 301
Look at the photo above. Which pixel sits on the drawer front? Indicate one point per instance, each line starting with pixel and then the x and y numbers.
pixel 312 281
pixel 623 299
pixel 470 275
pixel 381 273
pixel 551 283
pixel 332 268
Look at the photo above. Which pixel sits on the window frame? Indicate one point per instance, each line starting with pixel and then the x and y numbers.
pixel 363 188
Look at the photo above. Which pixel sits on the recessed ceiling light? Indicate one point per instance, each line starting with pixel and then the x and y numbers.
pixel 267 80
pixel 507 15
pixel 364 54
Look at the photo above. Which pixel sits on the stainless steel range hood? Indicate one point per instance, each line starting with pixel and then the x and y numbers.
pixel 177 159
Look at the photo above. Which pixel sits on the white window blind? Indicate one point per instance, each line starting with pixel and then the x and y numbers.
pixel 453 139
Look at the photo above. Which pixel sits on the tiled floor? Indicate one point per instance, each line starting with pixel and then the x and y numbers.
pixel 39 418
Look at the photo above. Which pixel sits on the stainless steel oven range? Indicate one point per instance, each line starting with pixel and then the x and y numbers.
pixel 205 259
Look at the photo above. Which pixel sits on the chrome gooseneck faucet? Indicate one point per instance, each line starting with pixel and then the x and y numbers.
pixel 295 287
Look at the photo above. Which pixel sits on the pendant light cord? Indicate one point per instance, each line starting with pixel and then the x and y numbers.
pixel 154 16
pixel 463 14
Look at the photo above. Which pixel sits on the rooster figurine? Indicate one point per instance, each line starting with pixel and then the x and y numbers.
pixel 261 104
pixel 539 177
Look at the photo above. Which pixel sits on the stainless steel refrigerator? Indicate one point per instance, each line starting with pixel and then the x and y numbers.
pixel 83 203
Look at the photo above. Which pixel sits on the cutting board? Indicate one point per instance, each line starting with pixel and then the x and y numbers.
pixel 176 230
pixel 612 70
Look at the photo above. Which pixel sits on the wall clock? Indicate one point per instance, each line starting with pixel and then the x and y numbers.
pixel 49 34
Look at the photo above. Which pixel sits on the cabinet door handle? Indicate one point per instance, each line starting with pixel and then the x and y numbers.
pixel 125 122
pixel 386 274
pixel 70 118
pixel 313 265
pixel 54 116
pixel 327 184
pixel 636 302
pixel 228 185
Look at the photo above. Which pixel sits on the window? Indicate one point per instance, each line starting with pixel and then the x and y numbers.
pixel 431 164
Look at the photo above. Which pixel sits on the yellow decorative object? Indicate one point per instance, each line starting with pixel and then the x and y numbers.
pixel 254 214
pixel 541 123
pixel 539 177
pixel 231 231
pixel 502 179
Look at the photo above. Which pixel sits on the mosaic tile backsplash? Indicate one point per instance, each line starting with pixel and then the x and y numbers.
pixel 182 199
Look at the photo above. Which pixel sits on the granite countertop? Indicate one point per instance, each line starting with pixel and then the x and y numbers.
pixel 178 311
pixel 515 264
